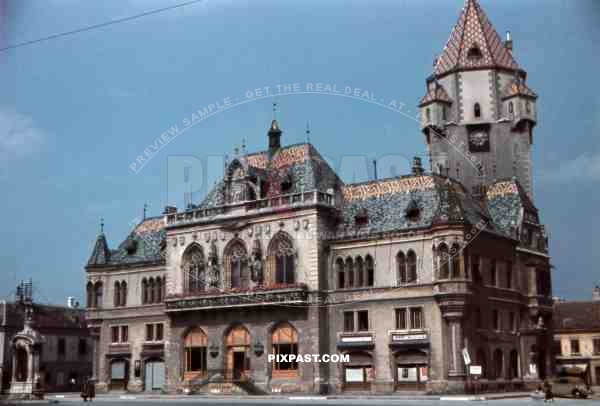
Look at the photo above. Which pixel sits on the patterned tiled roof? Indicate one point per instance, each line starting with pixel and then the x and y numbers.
pixel 518 88
pixel 436 93
pixel 473 31
pixel 388 202
pixel 506 201
pixel 576 316
pixel 143 245
pixel 302 163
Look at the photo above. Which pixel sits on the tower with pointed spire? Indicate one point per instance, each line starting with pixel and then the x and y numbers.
pixel 478 114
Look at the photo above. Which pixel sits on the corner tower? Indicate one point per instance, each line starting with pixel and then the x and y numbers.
pixel 478 114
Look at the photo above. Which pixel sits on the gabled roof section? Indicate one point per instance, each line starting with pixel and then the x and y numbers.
pixel 436 93
pixel 143 245
pixel 301 163
pixel 518 88
pixel 473 44
pixel 101 253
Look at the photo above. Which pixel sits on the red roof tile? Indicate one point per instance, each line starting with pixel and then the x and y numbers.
pixel 436 93
pixel 473 31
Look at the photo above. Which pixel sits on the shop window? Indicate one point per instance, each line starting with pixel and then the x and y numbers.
pixel 285 342
pixel 195 344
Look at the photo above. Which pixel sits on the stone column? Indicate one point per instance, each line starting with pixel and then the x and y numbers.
pixel 455 337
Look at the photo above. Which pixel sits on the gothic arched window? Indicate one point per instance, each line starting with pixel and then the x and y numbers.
pixel 411 266
pixel 144 291
pixel 98 294
pixel 117 294
pixel 349 272
pixel 455 260
pixel 359 272
pixel 90 294
pixel 477 110
pixel 158 289
pixel 123 294
pixel 282 253
pixel 401 266
pixel 341 277
pixel 151 298
pixel 236 261
pixel 370 268
pixel 443 261
pixel 193 266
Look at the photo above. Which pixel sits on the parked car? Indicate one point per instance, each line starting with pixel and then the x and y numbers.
pixel 570 386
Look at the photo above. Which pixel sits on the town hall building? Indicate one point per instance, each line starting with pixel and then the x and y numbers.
pixel 415 278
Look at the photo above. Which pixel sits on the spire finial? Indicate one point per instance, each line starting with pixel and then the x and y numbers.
pixel 145 209
pixel 307 131
pixel 244 145
pixel 275 107
pixel 101 225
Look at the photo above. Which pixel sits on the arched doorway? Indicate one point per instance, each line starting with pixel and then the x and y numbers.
pixel 21 364
pixel 284 341
pixel 358 372
pixel 237 361
pixel 154 374
pixel 411 372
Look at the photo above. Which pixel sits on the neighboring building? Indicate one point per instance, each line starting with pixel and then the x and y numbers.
pixel 577 338
pixel 400 274
pixel 57 337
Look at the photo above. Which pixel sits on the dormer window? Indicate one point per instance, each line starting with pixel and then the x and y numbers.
pixel 474 53
pixel 131 246
pixel 362 218
pixel 477 110
pixel 412 210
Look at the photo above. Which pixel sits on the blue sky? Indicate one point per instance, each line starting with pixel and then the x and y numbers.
pixel 75 112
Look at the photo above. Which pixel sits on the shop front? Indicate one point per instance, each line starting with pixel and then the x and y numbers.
pixel 410 361
pixel 358 372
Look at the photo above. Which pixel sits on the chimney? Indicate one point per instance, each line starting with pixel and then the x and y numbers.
pixel 508 43
pixel 417 166
pixel 596 294
pixel 274 138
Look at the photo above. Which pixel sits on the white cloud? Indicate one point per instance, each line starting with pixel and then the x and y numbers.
pixel 18 135
pixel 584 168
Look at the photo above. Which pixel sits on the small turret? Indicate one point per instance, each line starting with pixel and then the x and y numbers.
pixel 596 294
pixel 274 138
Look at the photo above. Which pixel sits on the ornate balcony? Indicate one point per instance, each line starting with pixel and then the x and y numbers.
pixel 295 200
pixel 214 299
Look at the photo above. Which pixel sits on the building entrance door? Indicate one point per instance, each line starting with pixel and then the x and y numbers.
pixel 239 364
pixel 154 375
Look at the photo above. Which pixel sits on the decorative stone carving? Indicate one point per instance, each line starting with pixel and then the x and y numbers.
pixel 256 263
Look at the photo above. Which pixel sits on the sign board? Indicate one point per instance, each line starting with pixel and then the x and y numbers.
pixel 466 356
pixel 475 370
pixel 357 339
pixel 408 337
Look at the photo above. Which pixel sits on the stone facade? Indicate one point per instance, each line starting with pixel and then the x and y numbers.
pixel 407 277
